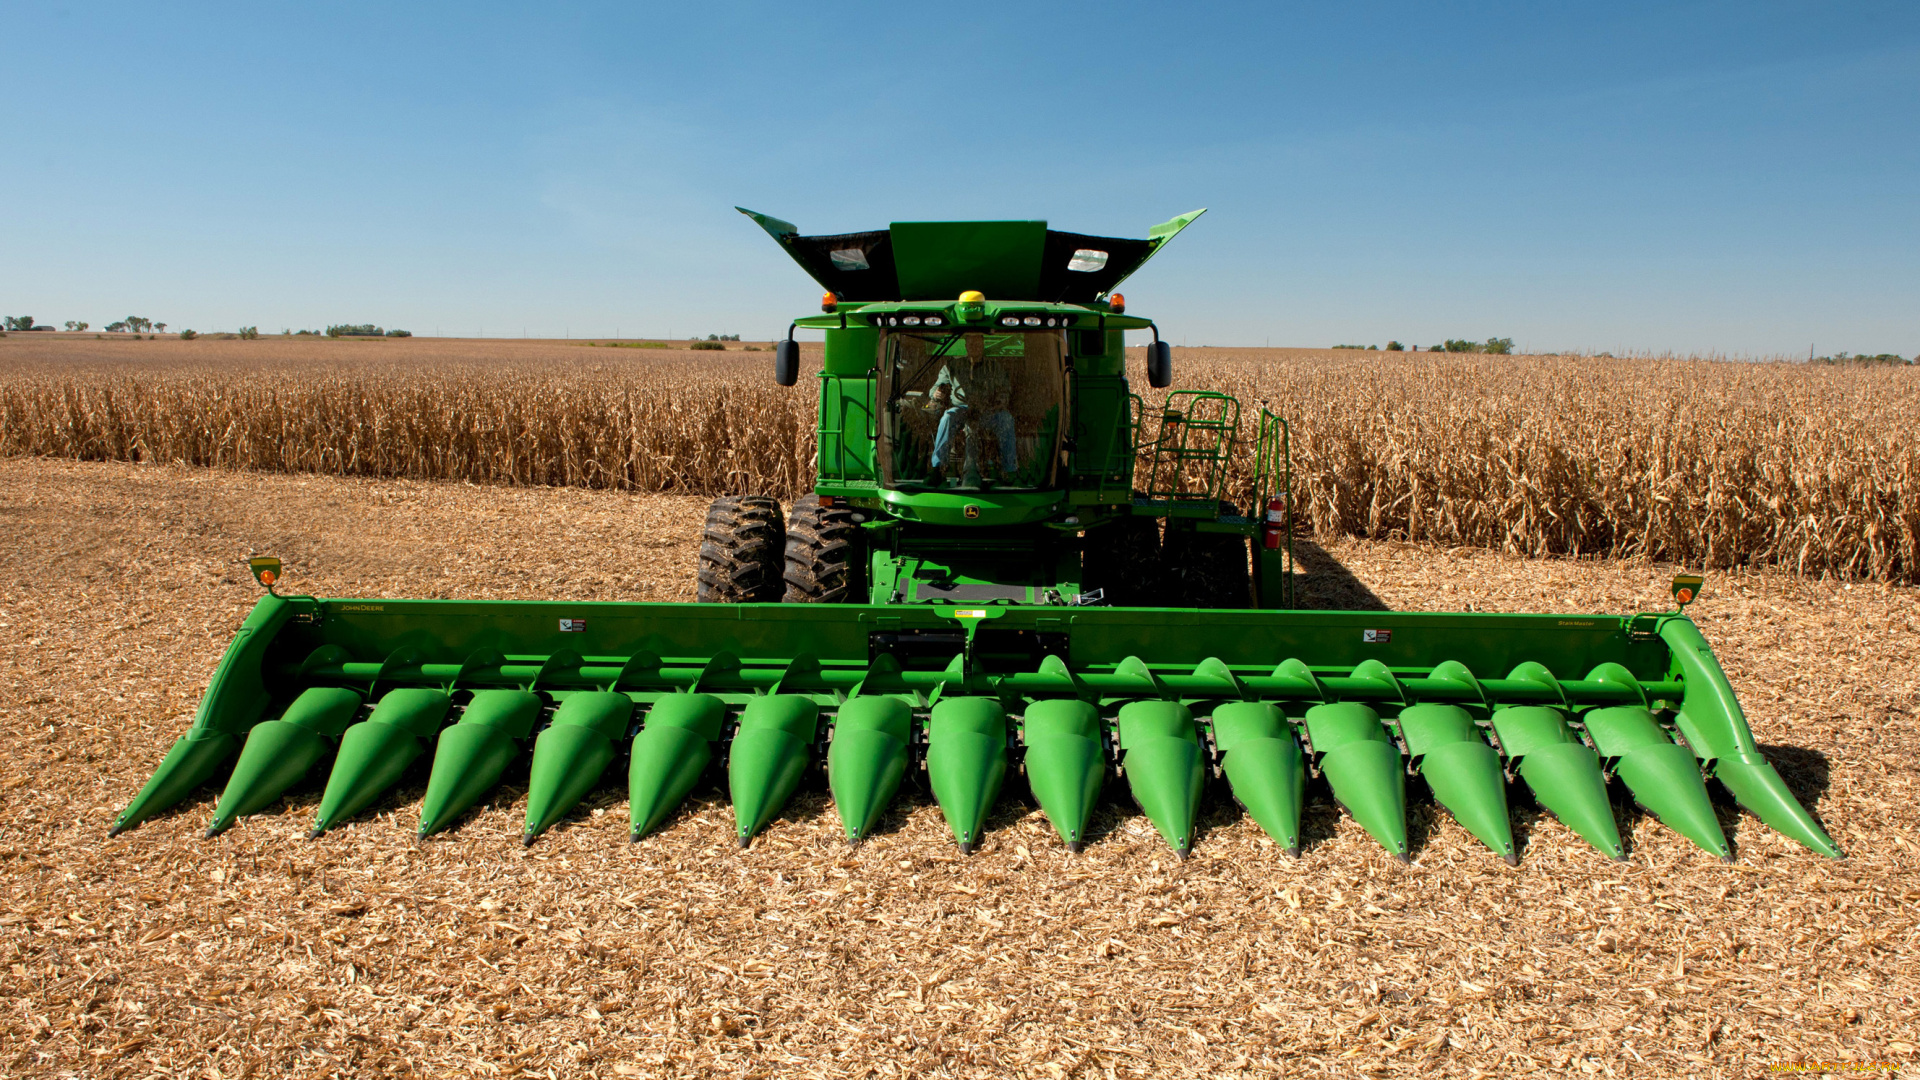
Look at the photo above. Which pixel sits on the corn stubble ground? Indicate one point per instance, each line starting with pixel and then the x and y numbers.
pixel 262 953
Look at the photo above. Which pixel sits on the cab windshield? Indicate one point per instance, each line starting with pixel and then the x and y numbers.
pixel 971 410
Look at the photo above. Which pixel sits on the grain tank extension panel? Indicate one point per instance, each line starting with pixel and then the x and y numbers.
pixel 937 260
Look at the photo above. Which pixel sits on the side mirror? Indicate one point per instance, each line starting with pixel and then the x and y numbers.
pixel 786 362
pixel 1160 365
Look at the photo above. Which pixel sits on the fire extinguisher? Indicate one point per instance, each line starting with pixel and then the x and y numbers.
pixel 1276 523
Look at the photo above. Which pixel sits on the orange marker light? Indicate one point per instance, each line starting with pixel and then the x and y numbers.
pixel 1686 588
pixel 1117 302
pixel 828 301
pixel 268 577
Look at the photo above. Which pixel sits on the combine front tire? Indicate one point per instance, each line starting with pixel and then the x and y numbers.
pixel 740 551
pixel 823 554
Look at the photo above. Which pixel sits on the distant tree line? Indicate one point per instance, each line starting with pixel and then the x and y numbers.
pixel 136 324
pixel 1498 346
pixel 363 330
pixel 140 324
pixel 1863 358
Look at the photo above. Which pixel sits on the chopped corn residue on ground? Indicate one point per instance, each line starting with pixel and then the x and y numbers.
pixel 263 954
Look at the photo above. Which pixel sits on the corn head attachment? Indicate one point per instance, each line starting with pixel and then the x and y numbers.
pixel 1169 701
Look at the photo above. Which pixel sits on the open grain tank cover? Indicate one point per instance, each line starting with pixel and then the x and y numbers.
pixel 938 260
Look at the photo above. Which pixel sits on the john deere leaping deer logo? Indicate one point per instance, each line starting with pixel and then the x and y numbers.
pixel 971 511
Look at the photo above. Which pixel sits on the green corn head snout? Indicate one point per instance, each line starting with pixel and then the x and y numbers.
pixel 1265 766
pixel 966 762
pixel 770 755
pixel 1066 764
pixel 1663 777
pixel 1563 773
pixel 570 756
pixel 473 754
pixel 1160 752
pixel 1462 771
pixel 375 752
pixel 670 753
pixel 279 753
pixel 867 760
pixel 1268 700
pixel 1364 768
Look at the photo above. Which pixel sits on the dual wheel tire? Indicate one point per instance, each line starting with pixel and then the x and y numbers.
pixel 750 555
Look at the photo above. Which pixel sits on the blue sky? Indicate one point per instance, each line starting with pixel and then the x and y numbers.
pixel 1688 176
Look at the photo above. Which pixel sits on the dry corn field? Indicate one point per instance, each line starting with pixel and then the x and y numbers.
pixel 1814 470
pixel 263 954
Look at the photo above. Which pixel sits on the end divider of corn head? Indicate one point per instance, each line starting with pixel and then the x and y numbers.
pixel 1001 572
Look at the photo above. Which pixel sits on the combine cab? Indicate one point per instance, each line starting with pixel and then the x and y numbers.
pixel 1007 567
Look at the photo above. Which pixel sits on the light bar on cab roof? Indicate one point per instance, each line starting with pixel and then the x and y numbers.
pixel 1055 321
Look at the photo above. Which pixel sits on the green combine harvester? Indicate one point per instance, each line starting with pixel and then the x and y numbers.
pixel 1008 566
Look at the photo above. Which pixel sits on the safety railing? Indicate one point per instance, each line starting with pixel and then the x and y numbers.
pixel 1273 489
pixel 1187 462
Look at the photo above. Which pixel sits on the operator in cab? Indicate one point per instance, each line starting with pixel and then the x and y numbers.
pixel 972 395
